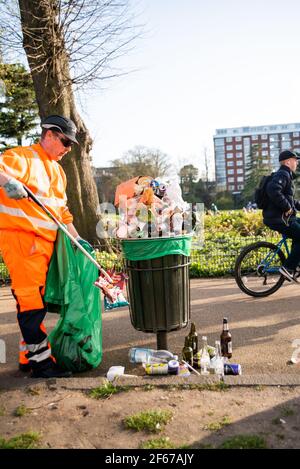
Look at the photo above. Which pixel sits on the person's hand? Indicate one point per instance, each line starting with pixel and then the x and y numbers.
pixel 85 244
pixel 289 212
pixel 14 189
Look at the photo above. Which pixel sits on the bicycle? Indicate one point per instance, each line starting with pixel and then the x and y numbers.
pixel 257 267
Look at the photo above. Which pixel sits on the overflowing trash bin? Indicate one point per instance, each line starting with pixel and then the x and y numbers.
pixel 158 285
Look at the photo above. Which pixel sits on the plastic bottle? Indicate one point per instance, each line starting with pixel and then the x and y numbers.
pixel 147 355
pixel 205 359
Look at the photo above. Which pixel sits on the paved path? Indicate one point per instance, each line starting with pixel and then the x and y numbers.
pixel 262 331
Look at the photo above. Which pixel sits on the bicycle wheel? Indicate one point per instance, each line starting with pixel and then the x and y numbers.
pixel 256 269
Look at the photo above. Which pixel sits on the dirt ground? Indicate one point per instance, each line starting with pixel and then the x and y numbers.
pixel 201 418
pixel 264 401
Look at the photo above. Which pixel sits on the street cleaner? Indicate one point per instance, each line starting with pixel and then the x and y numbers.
pixel 27 234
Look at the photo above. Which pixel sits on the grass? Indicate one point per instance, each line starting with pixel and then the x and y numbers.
pixel 216 426
pixel 33 391
pixel 276 421
pixel 287 412
pixel 216 387
pixel 244 442
pixel 161 443
pixel 151 421
pixel 259 387
pixel 28 440
pixel 148 387
pixel 21 411
pixel 107 390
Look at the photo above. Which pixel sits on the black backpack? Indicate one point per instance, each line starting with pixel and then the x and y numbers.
pixel 260 195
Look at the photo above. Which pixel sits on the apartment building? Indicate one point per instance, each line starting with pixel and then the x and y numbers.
pixel 232 150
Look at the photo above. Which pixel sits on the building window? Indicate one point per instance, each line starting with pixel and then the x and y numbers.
pixel 230 171
pixel 239 155
pixel 239 147
pixel 296 142
pixel 231 188
pixel 264 145
pixel 240 171
pixel 229 163
pixel 254 137
pixel 219 142
pixel 230 179
pixel 295 134
pixel 241 187
pixel 229 155
pixel 264 153
pixel 285 137
pixel 238 139
pixel 240 179
pixel 239 163
pixel 285 145
pixel 229 139
pixel 228 147
pixel 264 137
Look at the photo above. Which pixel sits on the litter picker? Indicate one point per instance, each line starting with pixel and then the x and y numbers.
pixel 64 229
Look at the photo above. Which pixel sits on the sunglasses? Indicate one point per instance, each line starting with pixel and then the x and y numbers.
pixel 65 141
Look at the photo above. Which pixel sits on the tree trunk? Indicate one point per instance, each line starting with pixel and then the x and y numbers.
pixel 43 43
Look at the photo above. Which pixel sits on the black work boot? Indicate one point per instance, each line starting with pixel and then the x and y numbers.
pixel 53 371
pixel 25 367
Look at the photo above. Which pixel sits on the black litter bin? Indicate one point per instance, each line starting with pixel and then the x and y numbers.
pixel 158 286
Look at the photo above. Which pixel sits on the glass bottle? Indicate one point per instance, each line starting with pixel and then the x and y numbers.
pixel 187 352
pixel 218 361
pixel 225 339
pixel 193 338
pixel 205 359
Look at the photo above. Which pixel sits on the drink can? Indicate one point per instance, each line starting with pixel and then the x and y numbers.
pixel 173 367
pixel 232 369
pixel 156 368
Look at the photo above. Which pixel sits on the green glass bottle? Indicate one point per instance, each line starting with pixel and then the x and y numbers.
pixel 187 352
pixel 193 338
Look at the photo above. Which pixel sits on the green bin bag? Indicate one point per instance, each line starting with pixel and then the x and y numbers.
pixel 76 340
pixel 152 248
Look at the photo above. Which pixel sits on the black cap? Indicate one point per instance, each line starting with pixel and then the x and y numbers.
pixel 286 154
pixel 62 124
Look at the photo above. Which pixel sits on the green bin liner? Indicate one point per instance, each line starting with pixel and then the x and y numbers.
pixel 152 248
pixel 76 340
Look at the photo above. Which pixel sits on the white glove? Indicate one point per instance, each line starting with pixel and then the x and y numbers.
pixel 14 189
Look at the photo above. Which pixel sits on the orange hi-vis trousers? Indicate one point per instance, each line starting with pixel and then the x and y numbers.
pixel 27 257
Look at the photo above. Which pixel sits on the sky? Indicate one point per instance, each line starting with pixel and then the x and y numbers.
pixel 201 66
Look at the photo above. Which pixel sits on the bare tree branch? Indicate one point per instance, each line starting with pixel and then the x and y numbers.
pixel 94 34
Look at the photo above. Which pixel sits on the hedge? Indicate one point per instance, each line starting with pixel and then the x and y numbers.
pixel 225 235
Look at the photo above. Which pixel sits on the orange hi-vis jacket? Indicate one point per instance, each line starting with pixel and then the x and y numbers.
pixel 46 178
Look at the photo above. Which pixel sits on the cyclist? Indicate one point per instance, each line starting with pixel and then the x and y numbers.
pixel 280 212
